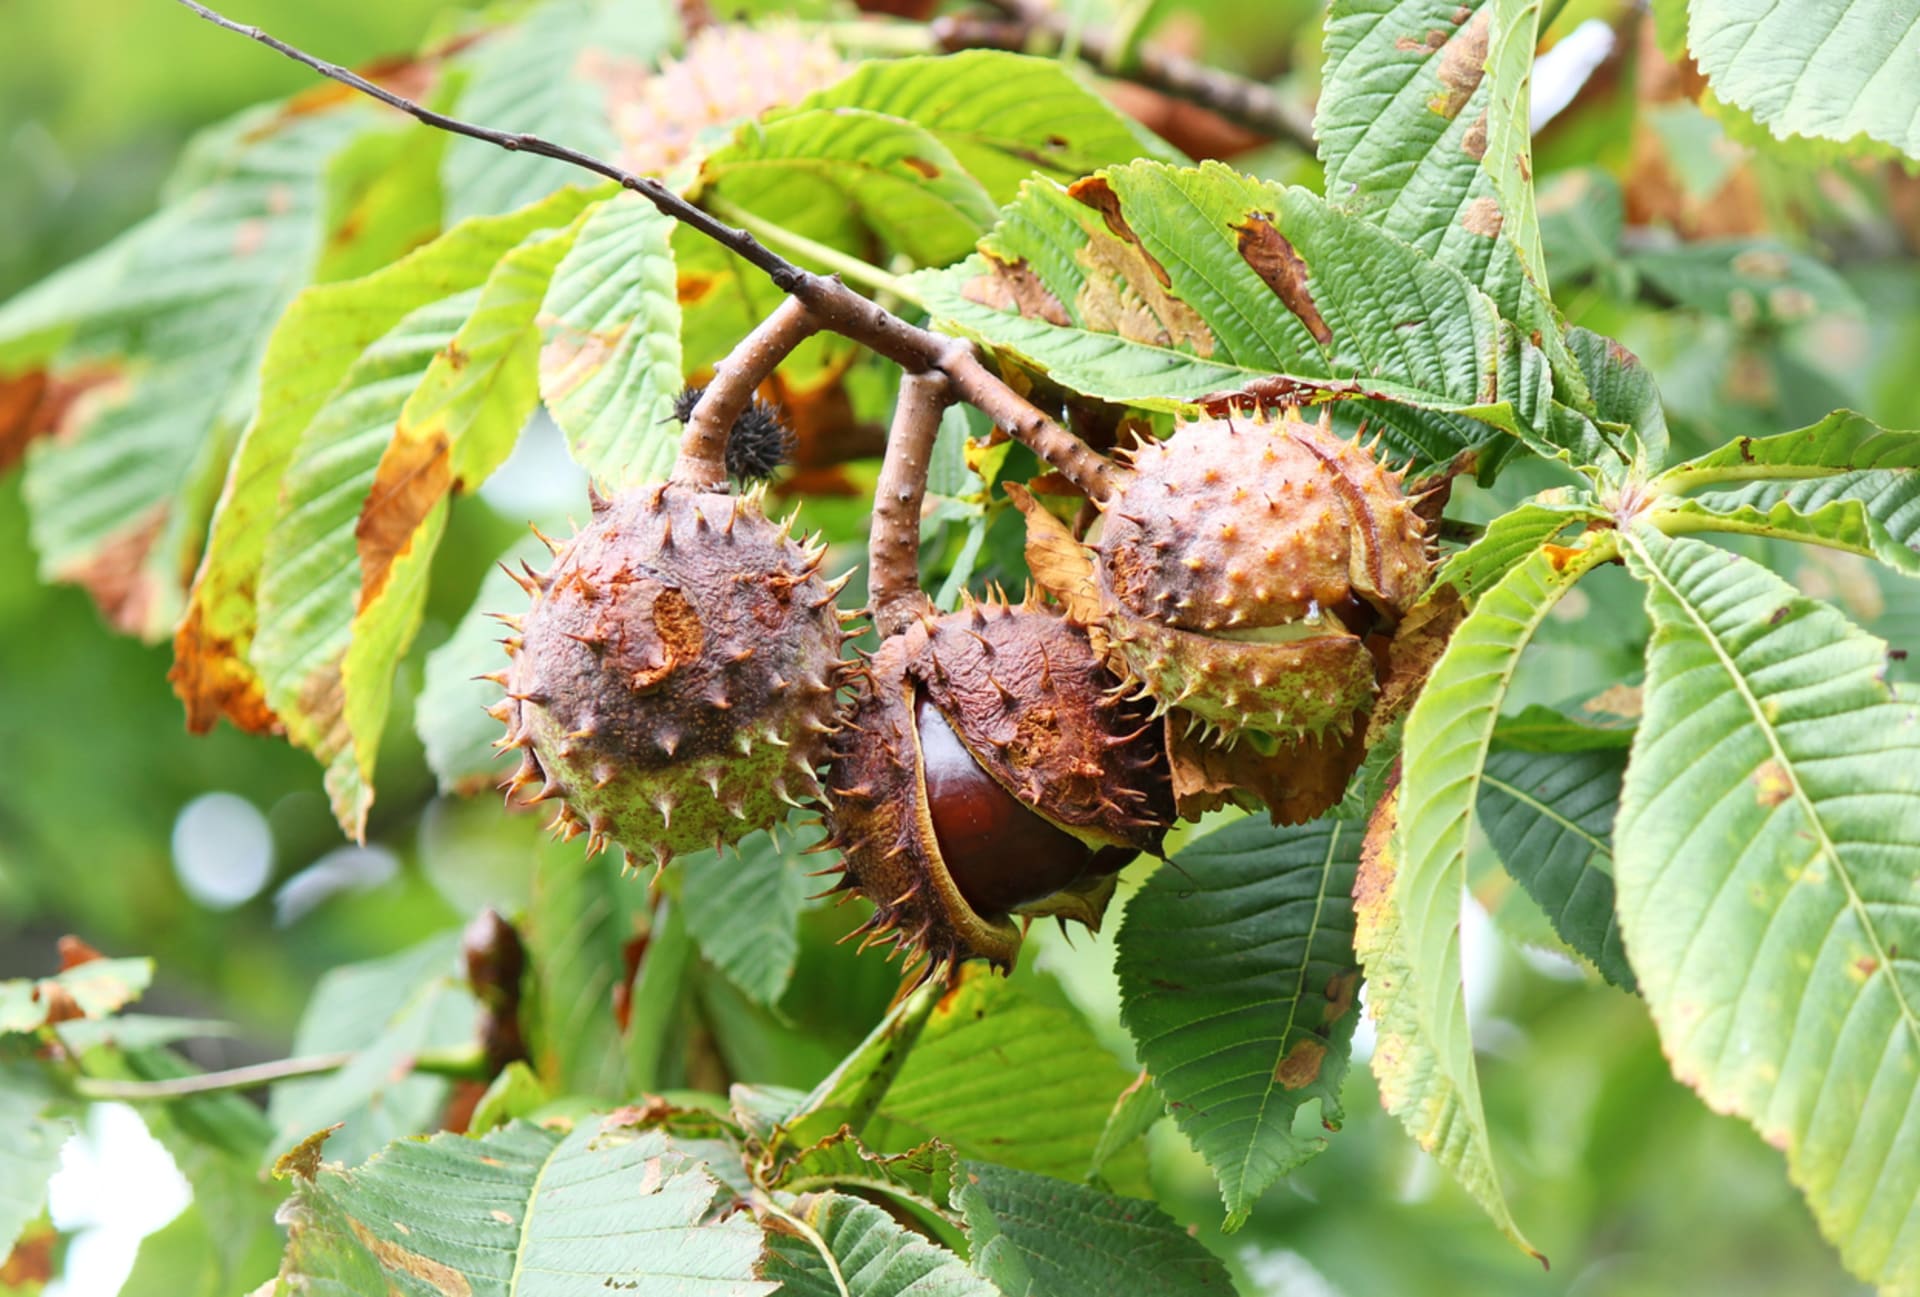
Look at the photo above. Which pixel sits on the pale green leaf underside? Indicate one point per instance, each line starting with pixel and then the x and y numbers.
pixel 1833 69
pixel 1425 1061
pixel 1237 982
pixel 1875 513
pixel 1767 846
pixel 522 1212
pixel 30 1143
pixel 1842 442
pixel 1508 541
pixel 610 361
pixel 874 1256
pixel 1549 815
pixel 1035 1235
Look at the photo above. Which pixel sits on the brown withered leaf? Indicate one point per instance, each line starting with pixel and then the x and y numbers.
pixel 75 952
pixel 1272 257
pixel 1012 286
pixel 30 1264
pixel 415 474
pixel 1417 645
pixel 211 680
pixel 40 403
pixel 1122 295
pixel 1060 565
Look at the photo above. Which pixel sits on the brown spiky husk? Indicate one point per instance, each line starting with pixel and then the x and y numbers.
pixel 1242 563
pixel 672 685
pixel 1024 692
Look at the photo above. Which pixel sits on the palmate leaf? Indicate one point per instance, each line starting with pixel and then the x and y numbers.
pixel 1003 116
pixel 1550 816
pixel 168 352
pixel 1408 905
pixel 1768 840
pixel 1834 69
pixel 1032 1234
pixel 1158 286
pixel 872 1257
pixel 312 349
pixel 523 1211
pixel 1238 982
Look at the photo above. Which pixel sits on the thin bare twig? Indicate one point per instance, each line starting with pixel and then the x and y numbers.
pixel 830 304
pixel 466 1063
pixel 1030 26
pixel 893 550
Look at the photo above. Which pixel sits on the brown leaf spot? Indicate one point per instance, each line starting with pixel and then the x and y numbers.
pixel 302 1161
pixel 1301 1066
pixel 1373 884
pixel 415 473
pixel 37 403
pixel 572 357
pixel 1435 39
pixel 1772 783
pixel 1343 992
pixel 922 167
pixel 75 952
pixel 1123 294
pixel 59 1002
pixel 1417 645
pixel 455 356
pixel 1865 966
pixel 1625 701
pixel 249 238
pixel 505 1218
pixel 1474 142
pixel 1560 555
pixel 1462 64
pixel 30 1264
pixel 1060 564
pixel 1012 286
pixel 115 574
pixel 211 678
pixel 1096 193
pixel 435 1274
pixel 690 289
pixel 1482 217
pixel 1272 257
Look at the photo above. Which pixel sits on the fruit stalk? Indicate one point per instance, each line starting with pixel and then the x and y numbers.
pixel 893 550
pixel 702 464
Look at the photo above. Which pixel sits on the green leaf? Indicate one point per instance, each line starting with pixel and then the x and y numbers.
pixel 923 1175
pixel 119 500
pixel 1843 442
pixel 851 1094
pixel 98 988
pixel 522 1211
pixel 872 1257
pixel 828 173
pixel 563 71
pixel 1407 936
pixel 1535 728
pixel 1623 392
pixel 1768 840
pixel 1004 117
pixel 1831 69
pixel 610 364
pixel 743 908
pixel 577 928
pixel 192 1257
pixel 1032 1234
pixel 1238 982
pixel 1509 540
pixel 388 1012
pixel 1755 283
pixel 1158 286
pixel 1549 815
pixel 514 1094
pixel 315 346
pixel 1134 1113
pixel 30 1140
pixel 1514 33
pixel 1875 513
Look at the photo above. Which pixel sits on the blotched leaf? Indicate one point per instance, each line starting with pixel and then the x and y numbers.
pixel 1158 286
pixel 1835 69
pixel 743 907
pixel 308 359
pixel 388 1012
pixel 1768 840
pixel 1550 817
pixel 1408 920
pixel 1003 116
pixel 523 1211
pixel 1238 982
pixel 828 173
pixel 872 1257
pixel 1508 541
pixel 97 988
pixel 1032 1234
pixel 1875 513
pixel 610 365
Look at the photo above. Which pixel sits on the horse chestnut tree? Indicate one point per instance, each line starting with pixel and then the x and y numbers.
pixel 1358 577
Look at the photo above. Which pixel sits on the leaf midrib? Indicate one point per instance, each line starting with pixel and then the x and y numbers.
pixel 1823 842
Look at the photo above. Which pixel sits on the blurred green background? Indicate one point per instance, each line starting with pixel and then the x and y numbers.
pixel 1615 1170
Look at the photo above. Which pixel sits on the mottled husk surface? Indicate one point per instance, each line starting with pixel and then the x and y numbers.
pixel 673 683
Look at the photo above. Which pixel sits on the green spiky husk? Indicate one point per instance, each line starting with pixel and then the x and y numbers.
pixel 672 686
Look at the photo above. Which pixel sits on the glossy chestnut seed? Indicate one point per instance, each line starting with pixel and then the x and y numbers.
pixel 999 853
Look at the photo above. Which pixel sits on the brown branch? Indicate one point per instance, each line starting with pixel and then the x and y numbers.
pixel 703 449
pixel 829 303
pixel 893 548
pixel 1033 27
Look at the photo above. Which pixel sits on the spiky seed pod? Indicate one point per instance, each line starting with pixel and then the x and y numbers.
pixel 759 441
pixel 1243 561
pixel 991 768
pixel 673 683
